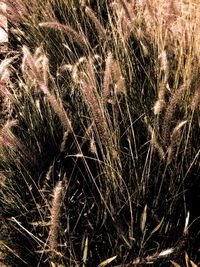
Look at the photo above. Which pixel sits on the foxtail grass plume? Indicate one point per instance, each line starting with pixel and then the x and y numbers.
pixel 160 103
pixel 64 140
pixel 172 12
pixel 16 11
pixel 79 38
pixel 124 17
pixel 144 49
pixel 4 91
pixel 164 66
pixel 112 73
pixel 89 90
pixel 174 140
pixel 5 69
pixel 155 143
pixel 7 138
pixel 126 10
pixel 55 220
pixel 28 65
pixel 152 11
pixel 59 110
pixel 175 98
pixel 36 67
pixel 117 74
pixel 195 101
pixel 101 30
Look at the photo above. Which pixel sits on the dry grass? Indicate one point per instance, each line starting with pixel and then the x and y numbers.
pixel 106 94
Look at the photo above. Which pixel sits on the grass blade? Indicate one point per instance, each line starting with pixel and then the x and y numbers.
pixel 106 262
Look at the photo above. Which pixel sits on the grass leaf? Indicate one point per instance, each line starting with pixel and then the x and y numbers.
pixel 187 259
pixel 106 262
pixel 193 264
pixel 85 252
pixel 175 264
pixel 158 226
pixel 143 219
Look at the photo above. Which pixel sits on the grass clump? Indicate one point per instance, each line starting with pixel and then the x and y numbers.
pixel 99 131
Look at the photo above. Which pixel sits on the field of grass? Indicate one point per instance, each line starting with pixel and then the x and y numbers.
pixel 99 134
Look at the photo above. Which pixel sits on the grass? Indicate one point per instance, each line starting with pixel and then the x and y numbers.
pixel 99 131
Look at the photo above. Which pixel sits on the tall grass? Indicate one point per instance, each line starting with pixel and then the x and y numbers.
pixel 99 131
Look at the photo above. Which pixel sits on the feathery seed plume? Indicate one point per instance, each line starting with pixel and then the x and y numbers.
pixel 55 220
pixel 101 30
